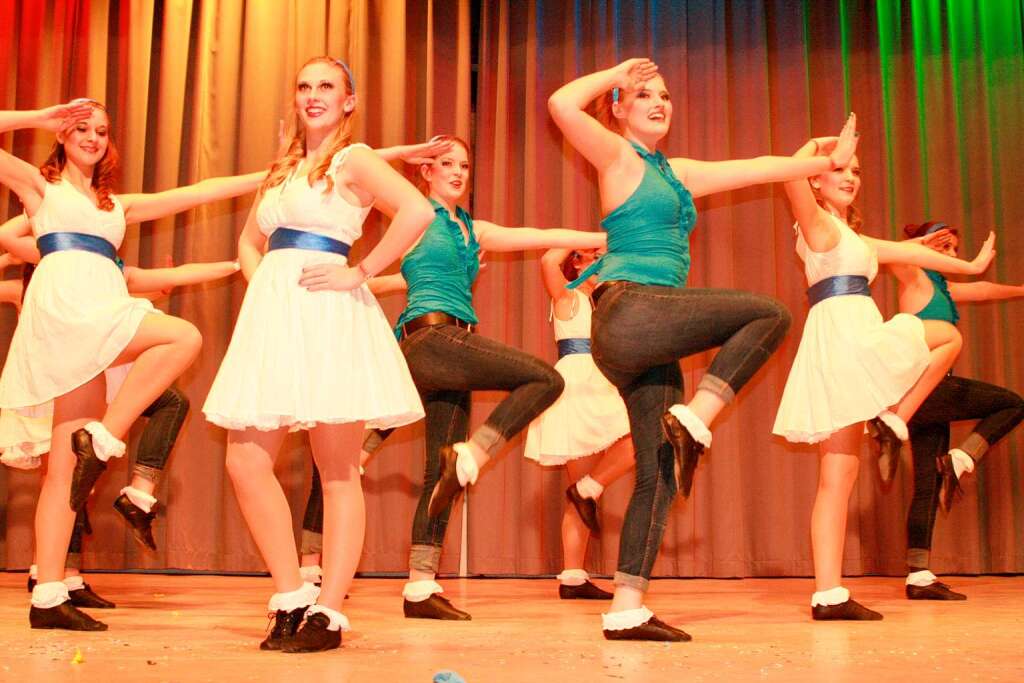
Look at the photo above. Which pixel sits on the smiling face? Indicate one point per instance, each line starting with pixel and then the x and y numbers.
pixel 646 113
pixel 839 187
pixel 448 175
pixel 322 99
pixel 86 143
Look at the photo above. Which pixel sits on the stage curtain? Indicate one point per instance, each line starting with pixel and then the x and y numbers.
pixel 196 89
pixel 940 98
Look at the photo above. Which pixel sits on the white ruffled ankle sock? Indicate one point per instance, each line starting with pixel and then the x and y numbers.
pixel 303 596
pixel 961 462
pixel 465 466
pixel 573 577
pixel 418 591
pixel 895 423
pixel 139 498
pixel 833 596
pixel 33 571
pixel 338 620
pixel 311 574
pixel 74 583
pixel 588 487
pixel 105 444
pixel 921 578
pixel 698 430
pixel 630 618
pixel 49 594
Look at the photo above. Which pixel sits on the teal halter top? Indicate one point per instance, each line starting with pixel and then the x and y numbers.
pixel 649 233
pixel 441 269
pixel 941 306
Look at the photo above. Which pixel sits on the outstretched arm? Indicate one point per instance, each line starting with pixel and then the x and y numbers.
pixel 151 206
pixel 165 279
pixel 914 254
pixel 984 291
pixel 422 153
pixel 493 237
pixel 707 177
pixel 551 272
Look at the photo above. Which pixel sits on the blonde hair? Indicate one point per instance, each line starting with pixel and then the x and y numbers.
pixel 103 175
pixel 853 217
pixel 296 148
pixel 421 182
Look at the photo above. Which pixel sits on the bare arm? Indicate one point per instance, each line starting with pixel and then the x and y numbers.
pixel 707 177
pixel 551 272
pixel 422 153
pixel 16 238
pixel 387 284
pixel 251 243
pixel 162 279
pixel 914 254
pixel 10 292
pixel 7 260
pixel 493 237
pixel 151 206
pixel 984 291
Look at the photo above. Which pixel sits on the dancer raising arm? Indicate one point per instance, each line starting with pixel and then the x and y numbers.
pixel 311 348
pixel 78 319
pixel 851 365
pixel 647 319
pixel 937 467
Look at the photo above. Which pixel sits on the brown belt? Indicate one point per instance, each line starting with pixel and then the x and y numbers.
pixel 433 319
pixel 603 288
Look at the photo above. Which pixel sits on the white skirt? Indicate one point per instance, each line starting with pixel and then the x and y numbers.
pixel 299 358
pixel 851 366
pixel 76 320
pixel 587 418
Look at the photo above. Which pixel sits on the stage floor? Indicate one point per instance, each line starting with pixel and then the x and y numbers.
pixel 207 628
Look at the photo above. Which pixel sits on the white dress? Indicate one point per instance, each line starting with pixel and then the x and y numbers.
pixel 851 365
pixel 77 316
pixel 589 416
pixel 299 358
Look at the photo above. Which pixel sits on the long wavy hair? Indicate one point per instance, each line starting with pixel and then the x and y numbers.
pixel 421 182
pixel 295 151
pixel 103 175
pixel 853 216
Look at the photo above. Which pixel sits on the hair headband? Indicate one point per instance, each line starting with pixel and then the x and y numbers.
pixel 935 228
pixel 348 72
pixel 615 94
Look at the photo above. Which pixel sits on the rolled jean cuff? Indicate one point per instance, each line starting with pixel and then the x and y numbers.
pixel 373 441
pixel 425 558
pixel 312 542
pixel 74 561
pixel 918 557
pixel 718 387
pixel 488 438
pixel 637 582
pixel 974 445
pixel 148 473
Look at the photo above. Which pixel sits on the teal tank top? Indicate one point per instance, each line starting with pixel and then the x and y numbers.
pixel 649 233
pixel 441 269
pixel 941 306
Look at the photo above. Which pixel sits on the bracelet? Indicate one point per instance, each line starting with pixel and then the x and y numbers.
pixel 367 276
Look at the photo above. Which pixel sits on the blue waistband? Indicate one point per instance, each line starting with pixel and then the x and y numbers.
pixel 838 285
pixel 66 241
pixel 574 345
pixel 289 238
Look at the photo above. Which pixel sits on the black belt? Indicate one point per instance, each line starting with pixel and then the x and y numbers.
pixel 602 288
pixel 433 319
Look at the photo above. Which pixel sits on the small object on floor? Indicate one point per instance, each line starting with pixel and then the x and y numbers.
pixel 652 629
pixel 77 658
pixel 851 610
pixel 138 520
pixel 87 597
pixel 313 636
pixel 435 607
pixel 286 623
pixel 586 508
pixel 933 591
pixel 584 591
pixel 64 616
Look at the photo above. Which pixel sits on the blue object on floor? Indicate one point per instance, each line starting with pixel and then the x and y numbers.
pixel 448 677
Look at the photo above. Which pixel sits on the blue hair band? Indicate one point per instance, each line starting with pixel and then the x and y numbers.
pixel 615 94
pixel 348 71
pixel 935 228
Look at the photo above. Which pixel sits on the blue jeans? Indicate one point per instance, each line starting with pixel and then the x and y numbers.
pixel 639 334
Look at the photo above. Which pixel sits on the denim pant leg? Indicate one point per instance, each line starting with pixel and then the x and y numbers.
pixel 166 417
pixel 447 422
pixel 1000 411
pixel 312 541
pixel 927 441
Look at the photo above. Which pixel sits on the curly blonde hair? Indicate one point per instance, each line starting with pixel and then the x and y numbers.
pixel 103 175
pixel 296 148
pixel 853 216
